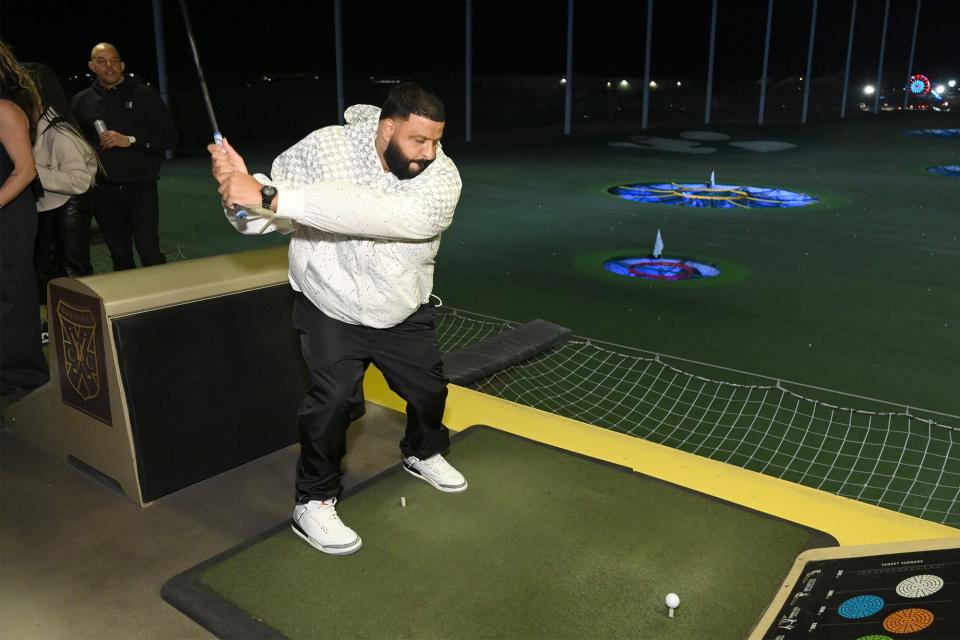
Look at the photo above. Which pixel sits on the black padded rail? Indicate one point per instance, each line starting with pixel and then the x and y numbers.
pixel 511 347
pixel 210 385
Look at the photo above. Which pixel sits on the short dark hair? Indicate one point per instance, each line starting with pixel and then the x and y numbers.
pixel 410 98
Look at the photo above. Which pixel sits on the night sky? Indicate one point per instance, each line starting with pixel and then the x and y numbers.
pixel 510 37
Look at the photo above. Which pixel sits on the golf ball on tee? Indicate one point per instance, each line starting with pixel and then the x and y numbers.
pixel 672 600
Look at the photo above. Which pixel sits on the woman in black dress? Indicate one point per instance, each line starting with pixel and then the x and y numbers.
pixel 22 365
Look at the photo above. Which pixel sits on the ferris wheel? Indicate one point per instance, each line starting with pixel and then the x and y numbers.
pixel 919 84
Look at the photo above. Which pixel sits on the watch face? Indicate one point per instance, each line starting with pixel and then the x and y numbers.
pixel 267 193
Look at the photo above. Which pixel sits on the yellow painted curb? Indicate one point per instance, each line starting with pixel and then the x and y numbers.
pixel 849 521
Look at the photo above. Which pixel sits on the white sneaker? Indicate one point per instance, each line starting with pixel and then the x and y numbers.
pixel 317 522
pixel 437 472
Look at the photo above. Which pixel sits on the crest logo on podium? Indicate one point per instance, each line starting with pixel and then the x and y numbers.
pixel 77 332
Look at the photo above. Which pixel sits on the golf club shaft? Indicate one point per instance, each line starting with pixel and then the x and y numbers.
pixel 239 213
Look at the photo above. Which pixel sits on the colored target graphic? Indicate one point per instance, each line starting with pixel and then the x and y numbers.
pixel 920 586
pixel 938 133
pixel 661 268
pixel 860 606
pixel 919 84
pixel 718 196
pixel 948 170
pixel 908 620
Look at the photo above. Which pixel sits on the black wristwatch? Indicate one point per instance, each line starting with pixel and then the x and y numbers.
pixel 267 194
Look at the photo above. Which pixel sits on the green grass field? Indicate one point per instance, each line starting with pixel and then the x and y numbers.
pixel 857 293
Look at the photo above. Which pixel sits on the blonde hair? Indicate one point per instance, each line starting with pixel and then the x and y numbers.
pixel 18 86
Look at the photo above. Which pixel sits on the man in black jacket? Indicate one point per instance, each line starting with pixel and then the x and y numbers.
pixel 136 130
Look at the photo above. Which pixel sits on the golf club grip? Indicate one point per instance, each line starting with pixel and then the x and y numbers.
pixel 238 213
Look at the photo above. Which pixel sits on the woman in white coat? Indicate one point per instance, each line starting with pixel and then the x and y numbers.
pixel 67 166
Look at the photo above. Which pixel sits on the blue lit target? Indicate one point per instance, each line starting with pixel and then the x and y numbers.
pixel 659 268
pixel 860 606
pixel 948 170
pixel 934 133
pixel 710 194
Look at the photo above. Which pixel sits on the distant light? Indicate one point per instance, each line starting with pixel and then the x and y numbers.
pixel 624 84
pixel 609 85
pixel 653 84
pixel 952 83
pixel 563 81
pixel 940 88
pixel 679 84
pixel 869 89
pixel 801 78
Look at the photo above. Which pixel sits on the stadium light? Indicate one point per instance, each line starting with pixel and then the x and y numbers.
pixel 869 89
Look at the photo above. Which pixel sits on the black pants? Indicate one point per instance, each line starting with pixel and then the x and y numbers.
pixel 337 355
pixel 128 212
pixel 63 243
pixel 21 357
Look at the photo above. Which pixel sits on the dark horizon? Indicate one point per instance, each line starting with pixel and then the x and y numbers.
pixel 509 38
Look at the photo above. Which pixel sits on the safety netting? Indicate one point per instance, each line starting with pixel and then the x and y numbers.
pixel 708 194
pixel 899 459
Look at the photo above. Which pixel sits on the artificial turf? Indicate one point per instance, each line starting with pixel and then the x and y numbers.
pixel 857 293
pixel 544 544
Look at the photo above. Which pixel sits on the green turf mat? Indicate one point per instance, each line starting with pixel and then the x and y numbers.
pixel 543 544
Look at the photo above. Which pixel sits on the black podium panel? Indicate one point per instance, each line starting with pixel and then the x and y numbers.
pixel 210 385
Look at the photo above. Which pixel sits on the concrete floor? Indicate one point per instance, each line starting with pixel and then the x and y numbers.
pixel 79 561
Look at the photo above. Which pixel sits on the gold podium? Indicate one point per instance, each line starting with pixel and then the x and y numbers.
pixel 163 376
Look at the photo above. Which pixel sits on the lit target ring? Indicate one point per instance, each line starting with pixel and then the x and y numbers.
pixel 651 268
pixel 919 85
pixel 711 195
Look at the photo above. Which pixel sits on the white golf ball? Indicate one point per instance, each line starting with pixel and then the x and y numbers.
pixel 672 600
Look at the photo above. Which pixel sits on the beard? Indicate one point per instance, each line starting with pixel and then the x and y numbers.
pixel 402 166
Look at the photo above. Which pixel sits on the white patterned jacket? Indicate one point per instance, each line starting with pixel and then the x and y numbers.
pixel 364 242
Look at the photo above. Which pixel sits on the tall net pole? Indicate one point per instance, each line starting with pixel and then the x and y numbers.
pixel 846 72
pixel 913 46
pixel 713 43
pixel 766 60
pixel 883 47
pixel 568 95
pixel 646 66
pixel 158 36
pixel 338 43
pixel 809 78
pixel 468 73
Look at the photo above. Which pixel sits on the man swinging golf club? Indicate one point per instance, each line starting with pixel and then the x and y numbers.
pixel 365 203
